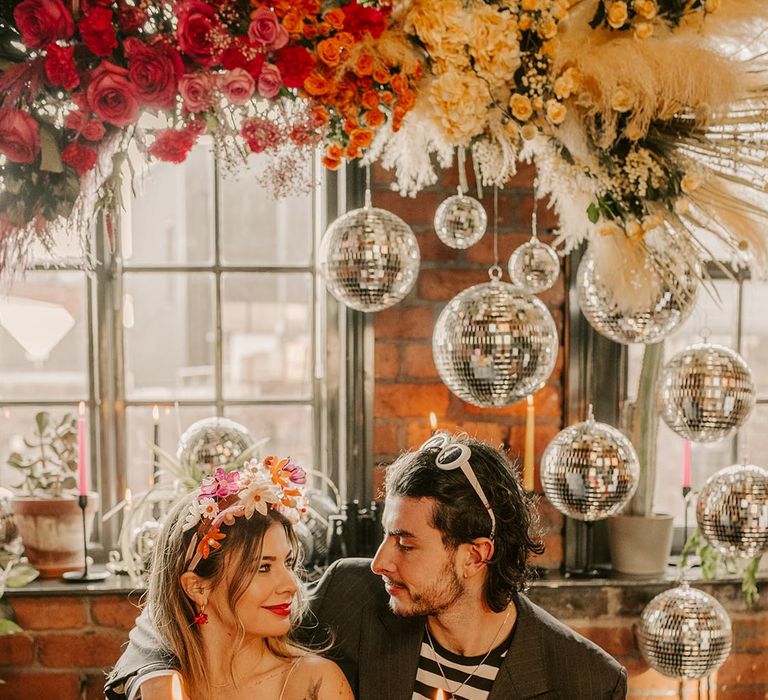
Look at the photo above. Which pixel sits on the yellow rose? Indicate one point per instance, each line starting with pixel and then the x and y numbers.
pixel 609 228
pixel 521 107
pixel 461 102
pixel 556 111
pixel 690 183
pixel 622 99
pixel 537 103
pixel 525 23
pixel 567 83
pixel 530 5
pixel 443 27
pixel 617 14
pixel 493 45
pixel 547 28
pixel 529 132
pixel 647 9
pixel 548 48
pixel 643 30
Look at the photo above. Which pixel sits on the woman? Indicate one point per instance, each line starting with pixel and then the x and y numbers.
pixel 224 594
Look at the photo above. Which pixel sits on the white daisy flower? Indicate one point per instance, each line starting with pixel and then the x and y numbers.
pixel 258 496
pixel 208 508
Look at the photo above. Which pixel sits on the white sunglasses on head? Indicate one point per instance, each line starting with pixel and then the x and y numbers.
pixel 454 455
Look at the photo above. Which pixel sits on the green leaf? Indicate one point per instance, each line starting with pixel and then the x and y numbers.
pixel 8 627
pixel 21 575
pixel 593 212
pixel 42 420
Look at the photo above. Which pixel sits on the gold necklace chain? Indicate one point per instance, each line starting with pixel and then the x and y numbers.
pixel 475 669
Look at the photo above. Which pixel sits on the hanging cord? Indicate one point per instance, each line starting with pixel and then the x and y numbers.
pixel 495 270
pixel 461 164
pixel 534 231
pixel 478 179
pixel 367 201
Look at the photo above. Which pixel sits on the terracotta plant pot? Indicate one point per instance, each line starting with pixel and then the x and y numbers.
pixel 640 545
pixel 52 531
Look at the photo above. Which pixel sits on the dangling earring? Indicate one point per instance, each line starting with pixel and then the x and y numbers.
pixel 201 618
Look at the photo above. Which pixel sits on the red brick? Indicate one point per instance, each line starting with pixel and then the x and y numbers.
pixel 404 322
pixel 114 611
pixel 616 640
pixel 410 400
pixel 482 252
pixel 526 172
pixel 742 669
pixel 41 685
pixel 433 250
pixel 550 519
pixel 547 218
pixel 50 613
pixel 750 634
pixel 418 362
pixel 444 284
pixel 417 431
pixel 385 438
pixel 101 649
pixel 555 295
pixel 16 649
pixel 415 211
pixel 386 360
pixel 547 403
pixel 742 693
pixel 94 686
pixel 552 557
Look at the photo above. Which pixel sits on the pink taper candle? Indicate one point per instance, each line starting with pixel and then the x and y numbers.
pixel 82 455
pixel 687 464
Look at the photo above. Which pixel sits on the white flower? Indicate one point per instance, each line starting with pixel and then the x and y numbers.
pixel 193 516
pixel 259 495
pixel 208 508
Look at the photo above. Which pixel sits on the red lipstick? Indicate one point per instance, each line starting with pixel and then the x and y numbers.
pixel 283 610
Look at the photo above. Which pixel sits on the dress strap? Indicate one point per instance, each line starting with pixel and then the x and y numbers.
pixel 288 676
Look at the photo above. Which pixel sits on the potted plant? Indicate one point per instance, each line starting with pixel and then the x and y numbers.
pixel 640 540
pixel 45 507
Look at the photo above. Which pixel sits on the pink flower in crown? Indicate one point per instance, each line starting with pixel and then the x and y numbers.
pixel 221 484
pixel 296 474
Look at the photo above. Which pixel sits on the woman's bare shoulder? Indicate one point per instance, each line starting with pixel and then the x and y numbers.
pixel 317 678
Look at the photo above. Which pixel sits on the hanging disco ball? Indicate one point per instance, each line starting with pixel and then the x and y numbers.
pixel 369 259
pixel 684 633
pixel 9 533
pixel 460 221
pixel 211 443
pixel 732 511
pixel 493 346
pixel 534 267
pixel 705 392
pixel 143 541
pixel 671 305
pixel 590 470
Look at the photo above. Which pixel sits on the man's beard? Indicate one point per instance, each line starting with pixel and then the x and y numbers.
pixel 445 591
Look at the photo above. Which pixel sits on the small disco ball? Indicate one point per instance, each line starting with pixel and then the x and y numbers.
pixel 705 392
pixel 493 346
pixel 369 259
pixel 590 470
pixel 672 304
pixel 211 443
pixel 460 221
pixel 143 540
pixel 732 511
pixel 684 633
pixel 8 530
pixel 534 267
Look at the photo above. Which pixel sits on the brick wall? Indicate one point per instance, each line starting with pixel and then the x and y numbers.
pixel 407 386
pixel 69 642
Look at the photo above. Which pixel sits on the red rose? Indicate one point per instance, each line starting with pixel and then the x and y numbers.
pixel 361 20
pixel 60 66
pixel 236 56
pixel 295 64
pixel 82 158
pixel 196 31
pixel 43 21
pixel 171 145
pixel 97 31
pixel 111 95
pixel 19 136
pixel 154 71
pixel 75 120
pixel 93 131
pixel 130 18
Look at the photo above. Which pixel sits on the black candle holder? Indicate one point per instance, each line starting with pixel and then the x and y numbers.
pixel 84 576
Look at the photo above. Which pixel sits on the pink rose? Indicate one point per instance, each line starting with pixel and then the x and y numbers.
pixel 270 81
pixel 237 85
pixel 19 136
pixel 154 71
pixel 196 92
pixel 43 21
pixel 266 30
pixel 198 25
pixel 111 95
pixel 93 131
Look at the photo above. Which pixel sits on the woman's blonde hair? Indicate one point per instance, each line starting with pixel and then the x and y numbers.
pixel 172 610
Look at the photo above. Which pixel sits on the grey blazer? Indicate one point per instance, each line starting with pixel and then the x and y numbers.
pixel 379 652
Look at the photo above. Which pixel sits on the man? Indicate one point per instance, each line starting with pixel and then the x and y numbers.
pixel 450 617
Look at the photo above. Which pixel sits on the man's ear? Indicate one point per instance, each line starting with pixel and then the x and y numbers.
pixel 195 587
pixel 479 553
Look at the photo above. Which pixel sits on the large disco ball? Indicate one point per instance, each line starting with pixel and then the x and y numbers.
pixel 732 511
pixel 493 346
pixel 9 533
pixel 705 392
pixel 590 470
pixel 534 267
pixel 671 305
pixel 211 443
pixel 460 221
pixel 684 633
pixel 369 259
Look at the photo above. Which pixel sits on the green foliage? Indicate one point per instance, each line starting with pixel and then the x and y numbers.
pixel 49 464
pixel 14 573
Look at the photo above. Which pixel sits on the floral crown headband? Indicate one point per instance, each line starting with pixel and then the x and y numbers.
pixel 224 496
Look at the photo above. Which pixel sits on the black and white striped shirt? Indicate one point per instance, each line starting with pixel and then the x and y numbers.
pixel 457 669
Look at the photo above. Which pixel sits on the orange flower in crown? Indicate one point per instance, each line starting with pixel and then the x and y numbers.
pixel 225 496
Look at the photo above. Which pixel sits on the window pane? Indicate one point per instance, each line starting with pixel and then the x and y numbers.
pixel 44 337
pixel 170 221
pixel 289 429
pixel 754 337
pixel 259 230
pixel 753 437
pixel 170 336
pixel 267 335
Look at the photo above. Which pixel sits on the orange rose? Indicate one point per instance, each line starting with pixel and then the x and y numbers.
pixel 311 7
pixel 387 98
pixel 334 151
pixel 335 17
pixel 374 118
pixel 364 65
pixel 293 23
pixel 316 84
pixel 381 75
pixel 330 163
pixel 346 39
pixel 350 125
pixel 309 30
pixel 399 83
pixel 361 138
pixel 319 115
pixel 329 52
pixel 370 99
pixel 353 152
pixel 324 28
pixel 407 100
pixel 398 113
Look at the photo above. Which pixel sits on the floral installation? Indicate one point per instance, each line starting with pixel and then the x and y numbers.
pixel 226 495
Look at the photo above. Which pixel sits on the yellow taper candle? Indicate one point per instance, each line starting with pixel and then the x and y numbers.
pixel 530 428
